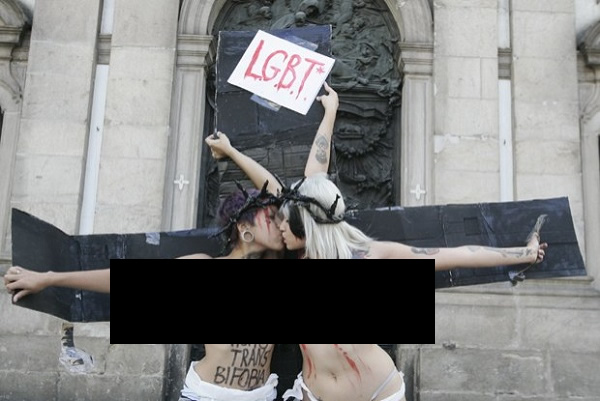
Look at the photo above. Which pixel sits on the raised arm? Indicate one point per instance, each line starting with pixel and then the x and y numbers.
pixel 29 282
pixel 221 147
pixel 320 152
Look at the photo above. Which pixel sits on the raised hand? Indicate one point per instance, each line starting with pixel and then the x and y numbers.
pixel 219 144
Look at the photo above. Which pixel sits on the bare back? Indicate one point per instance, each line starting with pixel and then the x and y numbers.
pixel 239 366
pixel 348 372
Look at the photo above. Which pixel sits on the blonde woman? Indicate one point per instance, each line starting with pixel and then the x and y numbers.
pixel 312 219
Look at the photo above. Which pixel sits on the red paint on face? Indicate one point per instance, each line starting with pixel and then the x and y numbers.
pixel 262 216
pixel 308 361
pixel 348 359
pixel 267 218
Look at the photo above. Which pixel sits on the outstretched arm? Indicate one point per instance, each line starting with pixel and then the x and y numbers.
pixel 320 153
pixel 221 147
pixel 29 282
pixel 470 256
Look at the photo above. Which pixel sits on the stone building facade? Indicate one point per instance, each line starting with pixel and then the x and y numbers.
pixel 103 109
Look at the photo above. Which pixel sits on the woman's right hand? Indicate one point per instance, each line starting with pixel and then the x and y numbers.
pixel 537 248
pixel 329 101
pixel 25 281
pixel 220 146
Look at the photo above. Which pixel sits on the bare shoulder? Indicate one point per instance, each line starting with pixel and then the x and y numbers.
pixel 196 256
pixel 389 250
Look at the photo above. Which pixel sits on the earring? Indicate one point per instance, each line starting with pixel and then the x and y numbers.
pixel 245 234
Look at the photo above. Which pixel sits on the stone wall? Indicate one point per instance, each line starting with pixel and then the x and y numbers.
pixel 30 370
pixel 537 341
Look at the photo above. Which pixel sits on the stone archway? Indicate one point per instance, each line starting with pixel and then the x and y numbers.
pixel 12 23
pixel 413 21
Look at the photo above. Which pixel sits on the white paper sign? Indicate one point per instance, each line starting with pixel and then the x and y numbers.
pixel 281 72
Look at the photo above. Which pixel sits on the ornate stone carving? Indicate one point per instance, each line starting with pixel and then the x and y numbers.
pixel 365 46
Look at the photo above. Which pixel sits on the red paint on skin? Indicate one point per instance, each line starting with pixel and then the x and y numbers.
pixel 348 359
pixel 361 361
pixel 267 219
pixel 308 360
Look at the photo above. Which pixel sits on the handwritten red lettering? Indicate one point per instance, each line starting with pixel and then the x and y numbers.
pixel 275 69
pixel 295 60
pixel 249 72
pixel 308 71
pixel 270 70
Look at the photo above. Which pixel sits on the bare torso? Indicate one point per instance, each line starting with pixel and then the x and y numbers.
pixel 348 372
pixel 239 366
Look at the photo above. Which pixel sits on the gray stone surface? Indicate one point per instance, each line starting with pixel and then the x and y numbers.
pixel 571 374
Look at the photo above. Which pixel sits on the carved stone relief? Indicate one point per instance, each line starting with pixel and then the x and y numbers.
pixel 365 46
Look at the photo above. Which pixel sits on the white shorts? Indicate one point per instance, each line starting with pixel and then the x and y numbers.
pixel 299 385
pixel 197 389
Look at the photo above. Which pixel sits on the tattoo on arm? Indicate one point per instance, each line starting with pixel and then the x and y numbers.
pixel 425 251
pixel 517 253
pixel 322 145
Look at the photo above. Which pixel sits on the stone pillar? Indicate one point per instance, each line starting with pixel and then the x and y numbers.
pixel 407 361
pixel 8 151
pixel 466 102
pixel 54 124
pixel 177 365
pixel 417 127
pixel 136 128
pixel 12 21
pixel 546 103
pixel 589 89
pixel 187 133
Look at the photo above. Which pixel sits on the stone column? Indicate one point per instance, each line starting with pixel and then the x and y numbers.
pixel 187 133
pixel 8 151
pixel 417 127
pixel 56 101
pixel 136 125
pixel 407 361
pixel 12 20
pixel 546 104
pixel 589 90
pixel 466 102
pixel 177 364
pixel 590 135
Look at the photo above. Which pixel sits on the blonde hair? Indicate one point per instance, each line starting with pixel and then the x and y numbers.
pixel 326 241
